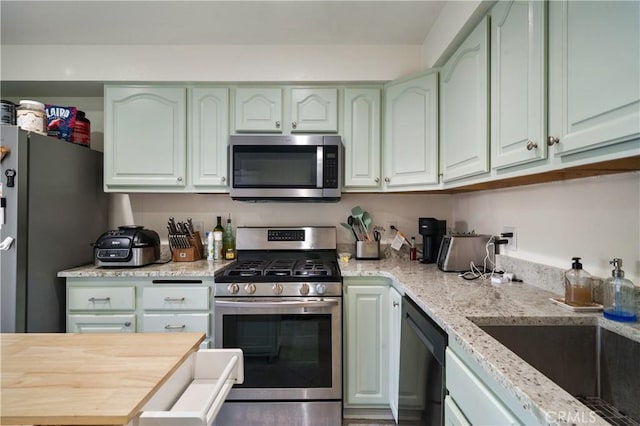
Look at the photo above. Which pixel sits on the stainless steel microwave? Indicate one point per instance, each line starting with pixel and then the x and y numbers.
pixel 285 168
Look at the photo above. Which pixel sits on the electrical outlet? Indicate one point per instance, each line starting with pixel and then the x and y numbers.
pixel 512 240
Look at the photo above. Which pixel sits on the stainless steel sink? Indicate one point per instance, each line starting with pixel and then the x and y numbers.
pixel 597 366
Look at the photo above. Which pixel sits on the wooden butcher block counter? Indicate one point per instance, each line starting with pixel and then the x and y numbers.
pixel 86 379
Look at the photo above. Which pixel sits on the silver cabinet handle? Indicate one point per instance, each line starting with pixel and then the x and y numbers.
pixel 531 145
pixel 377 180
pixel 179 178
pixel 174 299
pixel 127 324
pixel 175 327
pixel 99 299
pixel 387 180
pixel 552 140
pixel 277 124
pixel 395 304
pixel 223 179
pixel 294 125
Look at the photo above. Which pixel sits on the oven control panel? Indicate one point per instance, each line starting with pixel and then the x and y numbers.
pixel 285 235
pixel 284 289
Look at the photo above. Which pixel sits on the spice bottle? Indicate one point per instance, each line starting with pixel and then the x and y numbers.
pixel 577 291
pixel 81 130
pixel 618 295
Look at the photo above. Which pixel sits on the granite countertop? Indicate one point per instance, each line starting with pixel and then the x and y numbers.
pixel 457 305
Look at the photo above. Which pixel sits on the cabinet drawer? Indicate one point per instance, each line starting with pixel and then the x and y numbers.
pixel 156 323
pixel 476 401
pixel 452 414
pixel 176 298
pixel 101 298
pixel 101 323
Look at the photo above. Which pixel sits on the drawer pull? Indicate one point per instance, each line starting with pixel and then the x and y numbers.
pixel 174 299
pixel 127 324
pixel 99 299
pixel 175 327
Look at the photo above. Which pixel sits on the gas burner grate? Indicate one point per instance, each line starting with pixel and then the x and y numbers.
pixel 312 268
pixel 280 268
pixel 248 268
pixel 607 411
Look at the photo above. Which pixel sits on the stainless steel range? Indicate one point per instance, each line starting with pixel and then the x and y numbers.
pixel 281 303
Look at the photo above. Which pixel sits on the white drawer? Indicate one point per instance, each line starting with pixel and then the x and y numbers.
pixel 194 393
pixel 101 323
pixel 175 298
pixel 155 323
pixel 478 404
pixel 101 298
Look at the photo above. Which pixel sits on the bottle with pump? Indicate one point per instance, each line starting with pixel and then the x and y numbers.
pixel 577 290
pixel 618 295
pixel 218 232
pixel 229 242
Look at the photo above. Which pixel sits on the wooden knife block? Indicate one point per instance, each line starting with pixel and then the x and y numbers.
pixel 191 254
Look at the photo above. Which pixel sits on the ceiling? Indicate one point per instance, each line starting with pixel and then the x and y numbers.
pixel 185 22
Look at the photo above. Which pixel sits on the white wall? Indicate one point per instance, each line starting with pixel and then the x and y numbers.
pixel 594 218
pixel 153 210
pixel 208 63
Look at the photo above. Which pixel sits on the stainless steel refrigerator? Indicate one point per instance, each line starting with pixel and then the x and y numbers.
pixel 53 209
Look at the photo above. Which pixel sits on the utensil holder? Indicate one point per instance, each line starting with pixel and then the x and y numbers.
pixel 185 254
pixel 367 250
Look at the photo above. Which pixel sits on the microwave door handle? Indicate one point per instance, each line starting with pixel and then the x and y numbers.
pixel 281 304
pixel 319 166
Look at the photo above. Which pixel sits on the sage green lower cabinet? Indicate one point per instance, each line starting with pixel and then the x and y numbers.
pixel 395 327
pixel 475 397
pixel 116 305
pixel 366 336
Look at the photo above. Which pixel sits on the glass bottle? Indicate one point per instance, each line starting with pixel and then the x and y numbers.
pixel 618 295
pixel 218 232
pixel 229 242
pixel 577 291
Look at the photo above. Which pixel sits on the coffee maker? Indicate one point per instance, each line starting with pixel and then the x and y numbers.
pixel 432 231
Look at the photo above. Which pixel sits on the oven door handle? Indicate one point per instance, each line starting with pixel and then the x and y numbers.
pixel 297 303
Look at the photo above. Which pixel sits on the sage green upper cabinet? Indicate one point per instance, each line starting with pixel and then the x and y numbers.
pixel 594 74
pixel 361 138
pixel 411 133
pixel 464 108
pixel 208 135
pixel 314 110
pixel 145 137
pixel 258 109
pixel 518 83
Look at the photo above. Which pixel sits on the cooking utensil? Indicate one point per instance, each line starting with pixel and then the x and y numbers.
pixel 350 228
pixel 366 220
pixel 357 231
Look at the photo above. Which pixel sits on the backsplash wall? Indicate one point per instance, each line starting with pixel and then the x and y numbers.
pixel 153 210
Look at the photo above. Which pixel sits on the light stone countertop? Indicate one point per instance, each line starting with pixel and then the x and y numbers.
pixel 452 302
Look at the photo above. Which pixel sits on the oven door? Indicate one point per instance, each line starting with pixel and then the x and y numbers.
pixel 292 346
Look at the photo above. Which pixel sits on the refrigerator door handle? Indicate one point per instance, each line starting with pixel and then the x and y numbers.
pixel 6 243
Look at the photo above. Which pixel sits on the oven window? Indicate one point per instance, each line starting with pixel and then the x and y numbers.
pixel 282 351
pixel 275 166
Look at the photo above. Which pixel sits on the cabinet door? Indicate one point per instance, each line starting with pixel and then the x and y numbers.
pixel 101 323
pixel 452 414
pixel 208 136
pixel 258 109
pixel 145 137
pixel 361 138
pixel 594 64
pixel 518 83
pixel 464 108
pixel 314 110
pixel 367 331
pixel 411 133
pixel 395 321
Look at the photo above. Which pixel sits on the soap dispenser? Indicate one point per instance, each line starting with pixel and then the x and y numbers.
pixel 618 295
pixel 577 291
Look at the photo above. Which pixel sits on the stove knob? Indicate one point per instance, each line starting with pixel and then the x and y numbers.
pixel 304 289
pixel 277 288
pixel 250 288
pixel 233 288
pixel 321 289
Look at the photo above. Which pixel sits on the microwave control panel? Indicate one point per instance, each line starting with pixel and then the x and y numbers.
pixel 331 170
